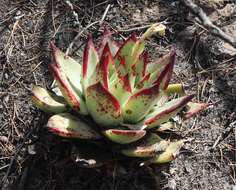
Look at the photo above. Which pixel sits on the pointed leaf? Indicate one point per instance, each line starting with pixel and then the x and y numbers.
pixel 90 61
pixel 71 95
pixel 194 108
pixel 48 101
pixel 67 125
pixel 103 106
pixel 124 136
pixel 148 148
pixel 167 111
pixel 161 70
pixel 70 67
pixel 139 104
pixel 128 54
pixel 107 39
pixel 169 154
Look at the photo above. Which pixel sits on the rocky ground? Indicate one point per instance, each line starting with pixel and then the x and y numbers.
pixel 31 158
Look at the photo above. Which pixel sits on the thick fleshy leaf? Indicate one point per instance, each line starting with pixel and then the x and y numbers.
pixel 161 70
pixel 148 148
pixel 90 61
pixel 103 106
pixel 128 54
pixel 140 103
pixel 194 108
pixel 121 89
pixel 67 125
pixel 70 93
pixel 168 155
pixel 48 101
pixel 107 39
pixel 124 136
pixel 70 67
pixel 167 111
pixel 139 68
pixel 177 88
pixel 101 73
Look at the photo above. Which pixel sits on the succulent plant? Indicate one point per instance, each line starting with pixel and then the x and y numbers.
pixel 128 98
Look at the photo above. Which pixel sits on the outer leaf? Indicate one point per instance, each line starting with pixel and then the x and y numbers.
pixel 169 154
pixel 107 39
pixel 161 70
pixel 149 148
pixel 139 104
pixel 67 125
pixel 47 101
pixel 71 95
pixel 194 108
pixel 70 67
pixel 90 61
pixel 124 136
pixel 167 111
pixel 103 106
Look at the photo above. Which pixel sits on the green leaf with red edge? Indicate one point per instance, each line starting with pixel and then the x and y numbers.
pixel 161 70
pixel 90 61
pixel 149 147
pixel 139 68
pixel 194 108
pixel 101 73
pixel 47 101
pixel 71 94
pixel 140 103
pixel 124 136
pixel 128 54
pixel 103 106
pixel 67 125
pixel 107 39
pixel 70 68
pixel 121 89
pixel 167 111
pixel 168 155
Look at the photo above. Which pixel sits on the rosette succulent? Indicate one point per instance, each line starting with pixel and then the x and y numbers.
pixel 128 98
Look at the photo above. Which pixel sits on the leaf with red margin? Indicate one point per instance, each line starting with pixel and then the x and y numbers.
pixel 101 73
pixel 121 89
pixel 149 147
pixel 71 95
pixel 90 61
pixel 107 39
pixel 70 67
pixel 139 68
pixel 167 111
pixel 140 103
pixel 194 108
pixel 124 58
pixel 103 106
pixel 124 136
pixel 168 155
pixel 47 101
pixel 67 125
pixel 161 69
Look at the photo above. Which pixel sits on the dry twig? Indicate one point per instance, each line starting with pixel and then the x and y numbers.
pixel 206 22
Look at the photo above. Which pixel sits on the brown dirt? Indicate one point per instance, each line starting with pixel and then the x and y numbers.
pixel 31 158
